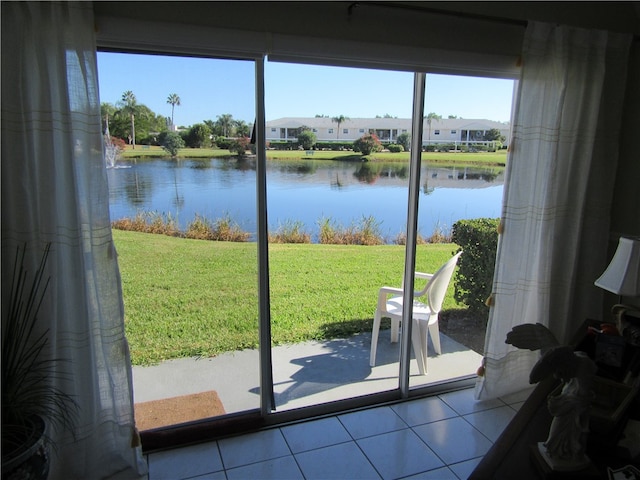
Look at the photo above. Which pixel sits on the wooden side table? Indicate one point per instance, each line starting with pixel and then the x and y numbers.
pixel 511 455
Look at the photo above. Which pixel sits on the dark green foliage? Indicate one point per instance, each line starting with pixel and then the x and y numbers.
pixel 283 145
pixel 239 146
pixel 199 136
pixel 224 143
pixel 243 129
pixel 307 139
pixel 474 279
pixel 494 134
pixel 394 148
pixel 335 146
pixel 172 143
pixel 367 144
pixel 404 139
pixel 30 374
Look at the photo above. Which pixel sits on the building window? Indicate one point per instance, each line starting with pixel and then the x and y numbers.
pixel 345 130
pixel 436 132
pixel 453 132
pixel 404 130
pixel 315 130
pixel 362 130
pixel 330 130
pixel 273 130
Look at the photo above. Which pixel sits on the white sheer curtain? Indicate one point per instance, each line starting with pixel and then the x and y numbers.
pixel 558 192
pixel 54 189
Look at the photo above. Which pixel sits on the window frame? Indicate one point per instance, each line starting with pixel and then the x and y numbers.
pixel 129 35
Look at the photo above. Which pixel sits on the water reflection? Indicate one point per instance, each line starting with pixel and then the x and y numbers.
pixel 303 191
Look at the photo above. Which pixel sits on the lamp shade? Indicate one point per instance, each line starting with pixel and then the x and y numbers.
pixel 622 276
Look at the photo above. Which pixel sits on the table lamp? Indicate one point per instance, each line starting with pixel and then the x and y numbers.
pixel 622 277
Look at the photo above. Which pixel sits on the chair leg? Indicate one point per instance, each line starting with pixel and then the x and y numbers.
pixel 419 346
pixel 434 330
pixel 395 329
pixel 374 338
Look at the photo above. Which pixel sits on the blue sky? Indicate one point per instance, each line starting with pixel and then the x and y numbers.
pixel 208 88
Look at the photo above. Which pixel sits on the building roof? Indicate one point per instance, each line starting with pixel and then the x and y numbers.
pixel 385 123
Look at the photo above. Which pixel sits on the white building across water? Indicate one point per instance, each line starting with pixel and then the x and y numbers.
pixel 444 131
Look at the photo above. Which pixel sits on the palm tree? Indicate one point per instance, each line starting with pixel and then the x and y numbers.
pixel 243 129
pixel 225 123
pixel 339 119
pixel 130 107
pixel 430 117
pixel 107 110
pixel 174 100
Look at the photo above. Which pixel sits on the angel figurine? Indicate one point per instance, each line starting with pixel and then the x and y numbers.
pixel 564 449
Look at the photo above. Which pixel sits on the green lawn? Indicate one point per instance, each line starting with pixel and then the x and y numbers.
pixel 498 158
pixel 188 298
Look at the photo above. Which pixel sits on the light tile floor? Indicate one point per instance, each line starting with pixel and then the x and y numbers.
pixel 440 437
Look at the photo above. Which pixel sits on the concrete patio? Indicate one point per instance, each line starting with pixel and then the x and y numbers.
pixel 304 374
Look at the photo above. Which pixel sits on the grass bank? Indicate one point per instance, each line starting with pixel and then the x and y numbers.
pixel 498 158
pixel 187 297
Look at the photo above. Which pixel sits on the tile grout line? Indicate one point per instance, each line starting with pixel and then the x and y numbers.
pixel 355 441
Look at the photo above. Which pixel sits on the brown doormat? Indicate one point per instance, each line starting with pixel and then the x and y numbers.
pixel 171 411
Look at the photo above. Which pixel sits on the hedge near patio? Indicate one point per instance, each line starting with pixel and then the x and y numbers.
pixel 478 239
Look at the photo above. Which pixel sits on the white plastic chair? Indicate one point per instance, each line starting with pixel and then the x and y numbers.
pixel 426 307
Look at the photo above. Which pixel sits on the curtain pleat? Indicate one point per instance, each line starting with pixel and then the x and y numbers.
pixel 54 190
pixel 558 193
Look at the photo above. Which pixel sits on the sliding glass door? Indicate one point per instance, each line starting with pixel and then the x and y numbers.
pixel 259 209
pixel 183 199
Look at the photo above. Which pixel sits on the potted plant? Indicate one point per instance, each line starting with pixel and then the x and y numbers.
pixel 31 403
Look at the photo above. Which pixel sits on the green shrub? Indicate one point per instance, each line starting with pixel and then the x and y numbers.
pixel 172 143
pixel 335 146
pixel 283 145
pixel 307 139
pixel 239 146
pixel 198 136
pixel 394 148
pixel 367 144
pixel 478 239
pixel 404 139
pixel 224 143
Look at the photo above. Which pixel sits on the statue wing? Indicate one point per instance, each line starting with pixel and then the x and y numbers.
pixel 552 362
pixel 532 337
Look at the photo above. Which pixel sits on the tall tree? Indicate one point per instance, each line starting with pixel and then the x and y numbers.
pixel 243 129
pixel 430 118
pixel 107 111
pixel 129 104
pixel 174 100
pixel 225 123
pixel 199 136
pixel 148 124
pixel 339 120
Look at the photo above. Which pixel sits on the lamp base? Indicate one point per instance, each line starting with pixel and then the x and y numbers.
pixel 550 468
pixel 628 322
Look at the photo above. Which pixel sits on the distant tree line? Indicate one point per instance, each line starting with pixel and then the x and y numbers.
pixel 137 124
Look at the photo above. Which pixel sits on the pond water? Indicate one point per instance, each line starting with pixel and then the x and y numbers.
pixel 303 191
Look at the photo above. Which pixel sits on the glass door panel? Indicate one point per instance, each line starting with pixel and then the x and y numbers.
pixel 462 177
pixel 335 217
pixel 182 183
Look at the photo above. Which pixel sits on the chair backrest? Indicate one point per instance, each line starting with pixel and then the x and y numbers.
pixel 437 287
